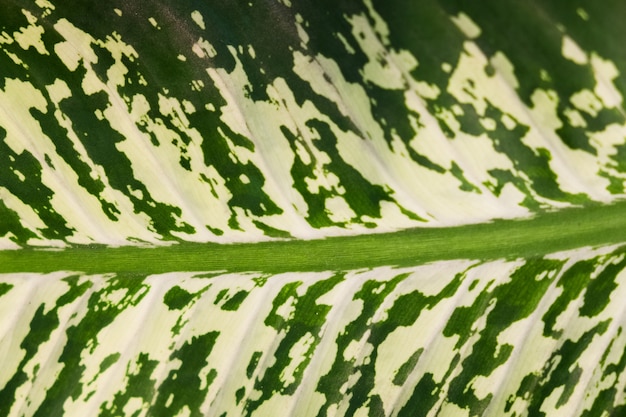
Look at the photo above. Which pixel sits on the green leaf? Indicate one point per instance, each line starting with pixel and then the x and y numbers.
pixel 294 208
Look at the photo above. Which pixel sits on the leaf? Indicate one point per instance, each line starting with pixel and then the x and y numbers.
pixel 365 208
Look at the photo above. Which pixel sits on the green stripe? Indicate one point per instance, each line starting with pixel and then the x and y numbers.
pixel 547 233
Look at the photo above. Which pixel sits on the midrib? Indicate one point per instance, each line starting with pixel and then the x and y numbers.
pixel 546 233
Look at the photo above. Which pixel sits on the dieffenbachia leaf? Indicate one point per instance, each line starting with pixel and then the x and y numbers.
pixel 292 208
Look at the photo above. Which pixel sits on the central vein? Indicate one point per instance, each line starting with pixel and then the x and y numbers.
pixel 546 233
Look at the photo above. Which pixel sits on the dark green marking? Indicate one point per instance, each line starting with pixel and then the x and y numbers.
pixel 108 361
pixel 140 385
pixel 170 399
pixel 609 397
pixel 372 293
pixel 83 336
pixel 599 289
pixel 423 398
pixel 254 361
pixel 308 319
pixel 31 190
pixel 233 302
pixel 41 327
pixel 514 300
pixel 561 371
pixel 177 298
pixel 5 288
pixel 405 370
pixel 529 33
pixel 573 282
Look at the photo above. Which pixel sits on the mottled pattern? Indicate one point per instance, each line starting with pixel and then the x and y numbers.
pixel 541 337
pixel 126 122
pixel 223 121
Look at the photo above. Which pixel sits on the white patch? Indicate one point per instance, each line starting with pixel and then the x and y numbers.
pixel 203 49
pixel 338 210
pixel 576 170
pixel 488 123
pixel 344 42
pixel 158 168
pixel 425 90
pixel 134 405
pixel 6 39
pixel 572 51
pixel 574 118
pixel 45 4
pixel 6 241
pixel 587 101
pixel 380 26
pixel 188 107
pixel 452 410
pixel 153 22
pixel 302 34
pixel 358 350
pixel 71 201
pixel 544 114
pixel 508 121
pixel 77 46
pixel 470 84
pixel 273 155
pixel 92 84
pixel 198 19
pixel 505 69
pixel 297 354
pixel 172 107
pixel 68 55
pixel 31 291
pixel 606 142
pixel 244 179
pixel 466 25
pixel 116 74
pixel 605 72
pixel 386 68
pixel 28 217
pixel 30 36
pixel 232 115
pixel 302 153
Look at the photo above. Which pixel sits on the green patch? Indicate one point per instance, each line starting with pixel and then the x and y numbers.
pixel 5 288
pixel 407 367
pixel 233 302
pixel 177 298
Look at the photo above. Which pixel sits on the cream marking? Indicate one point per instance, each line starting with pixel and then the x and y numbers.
pixel 203 48
pixel 196 16
pixel 466 25
pixel 570 50
pixel 30 36
pixel 605 74
pixel 540 118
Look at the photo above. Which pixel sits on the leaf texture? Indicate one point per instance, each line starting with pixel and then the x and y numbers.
pixel 541 336
pixel 407 129
pixel 234 121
